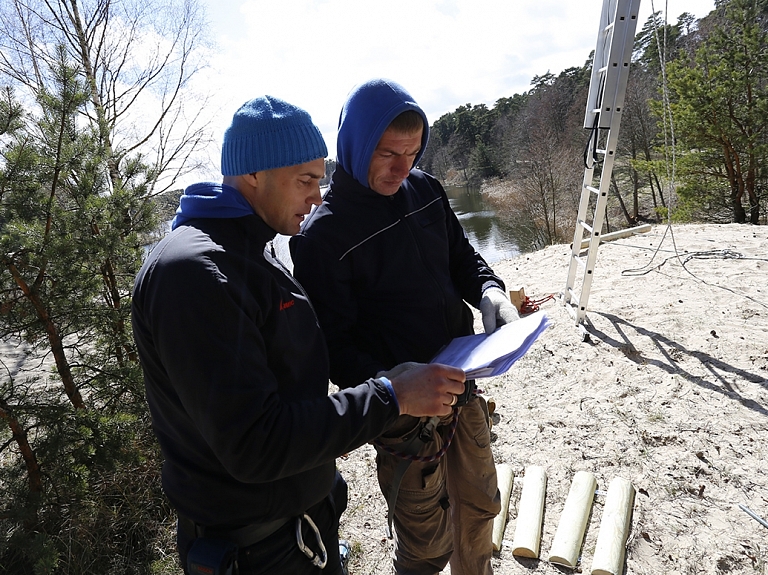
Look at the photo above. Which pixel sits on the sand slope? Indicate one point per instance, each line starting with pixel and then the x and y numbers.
pixel 670 392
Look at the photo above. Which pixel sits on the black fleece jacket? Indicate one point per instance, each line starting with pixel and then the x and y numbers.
pixel 388 275
pixel 236 375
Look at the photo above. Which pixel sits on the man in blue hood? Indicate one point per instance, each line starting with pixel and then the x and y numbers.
pixel 390 271
pixel 236 367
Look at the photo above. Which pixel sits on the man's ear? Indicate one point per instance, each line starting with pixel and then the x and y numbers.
pixel 247 185
pixel 253 179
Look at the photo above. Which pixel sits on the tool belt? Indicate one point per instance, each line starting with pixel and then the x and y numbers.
pixel 242 536
pixel 250 535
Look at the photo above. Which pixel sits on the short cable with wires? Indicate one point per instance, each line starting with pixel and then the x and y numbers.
pixel 532 305
pixel 708 254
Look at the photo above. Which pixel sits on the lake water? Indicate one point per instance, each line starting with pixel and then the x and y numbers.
pixel 491 236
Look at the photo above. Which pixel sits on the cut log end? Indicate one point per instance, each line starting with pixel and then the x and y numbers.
pixel 524 552
pixel 563 561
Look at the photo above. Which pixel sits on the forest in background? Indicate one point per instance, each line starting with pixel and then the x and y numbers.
pixel 528 150
pixel 94 135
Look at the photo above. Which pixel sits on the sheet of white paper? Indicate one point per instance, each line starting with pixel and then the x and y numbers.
pixel 483 355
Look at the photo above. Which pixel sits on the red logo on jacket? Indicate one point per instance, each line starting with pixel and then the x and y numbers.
pixel 286 304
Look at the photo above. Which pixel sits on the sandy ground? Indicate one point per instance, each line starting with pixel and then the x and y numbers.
pixel 668 392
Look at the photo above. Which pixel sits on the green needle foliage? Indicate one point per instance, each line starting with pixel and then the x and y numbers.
pixel 721 113
pixel 79 469
pixel 97 119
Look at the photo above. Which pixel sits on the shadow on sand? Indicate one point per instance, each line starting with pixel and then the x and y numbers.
pixel 673 352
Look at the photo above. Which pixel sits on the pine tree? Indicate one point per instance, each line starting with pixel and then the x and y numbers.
pixel 70 245
pixel 721 112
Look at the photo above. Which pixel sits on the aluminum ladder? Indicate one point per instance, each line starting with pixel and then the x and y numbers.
pixel 608 84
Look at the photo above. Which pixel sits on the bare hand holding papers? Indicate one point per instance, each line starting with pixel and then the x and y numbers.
pixel 484 355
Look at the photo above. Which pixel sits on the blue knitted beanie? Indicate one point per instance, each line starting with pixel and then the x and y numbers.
pixel 268 133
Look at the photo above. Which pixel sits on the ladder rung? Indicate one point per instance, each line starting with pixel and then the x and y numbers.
pixel 580 263
pixel 602 70
pixel 592 189
pixel 586 226
pixel 600 152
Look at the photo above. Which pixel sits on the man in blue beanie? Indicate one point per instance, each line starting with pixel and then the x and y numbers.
pixel 236 367
pixel 389 269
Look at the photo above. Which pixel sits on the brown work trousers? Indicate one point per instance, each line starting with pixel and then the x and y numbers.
pixel 445 509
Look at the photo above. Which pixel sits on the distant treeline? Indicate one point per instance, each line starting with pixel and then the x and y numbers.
pixel 709 164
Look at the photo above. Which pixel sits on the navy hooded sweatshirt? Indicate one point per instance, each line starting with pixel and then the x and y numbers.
pixel 389 276
pixel 236 371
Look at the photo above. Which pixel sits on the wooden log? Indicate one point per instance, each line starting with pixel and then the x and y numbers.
pixel 614 528
pixel 506 479
pixel 573 521
pixel 530 513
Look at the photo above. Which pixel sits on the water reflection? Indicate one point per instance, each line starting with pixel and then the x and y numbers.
pixel 493 237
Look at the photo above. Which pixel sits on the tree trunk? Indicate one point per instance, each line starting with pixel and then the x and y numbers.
pixel 635 196
pixel 754 199
pixel 34 476
pixel 661 190
pixel 653 190
pixel 554 203
pixel 739 215
pixel 754 211
pixel 615 187
pixel 733 169
pixel 104 129
pixel 54 339
pixel 543 196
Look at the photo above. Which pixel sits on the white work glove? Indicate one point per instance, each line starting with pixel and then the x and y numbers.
pixel 497 310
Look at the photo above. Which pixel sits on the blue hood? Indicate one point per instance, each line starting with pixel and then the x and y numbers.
pixel 366 115
pixel 210 200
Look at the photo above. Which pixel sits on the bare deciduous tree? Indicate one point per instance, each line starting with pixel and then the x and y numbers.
pixel 137 58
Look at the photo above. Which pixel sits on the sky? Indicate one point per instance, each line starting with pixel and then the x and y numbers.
pixel 446 53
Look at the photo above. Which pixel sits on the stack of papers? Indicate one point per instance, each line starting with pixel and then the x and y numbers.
pixel 484 355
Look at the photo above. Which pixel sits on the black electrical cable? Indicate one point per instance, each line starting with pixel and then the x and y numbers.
pixel 593 134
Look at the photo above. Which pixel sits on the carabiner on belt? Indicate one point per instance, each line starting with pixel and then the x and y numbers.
pixel 317 560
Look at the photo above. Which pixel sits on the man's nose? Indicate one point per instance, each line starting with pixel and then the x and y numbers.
pixel 403 165
pixel 315 198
